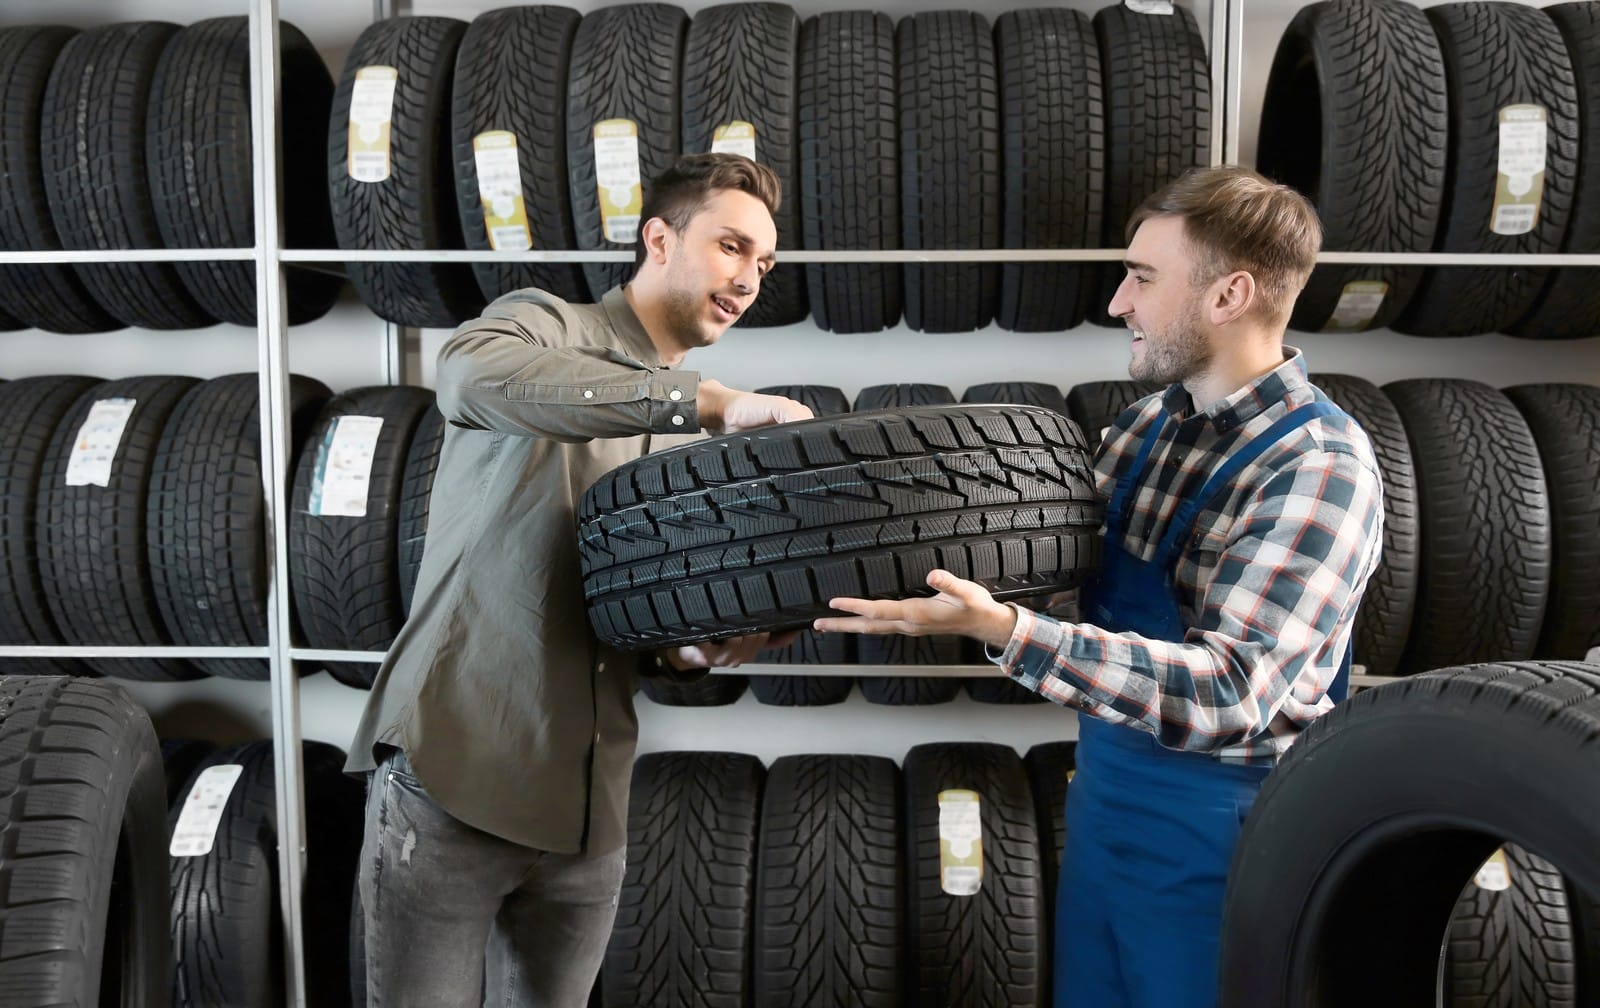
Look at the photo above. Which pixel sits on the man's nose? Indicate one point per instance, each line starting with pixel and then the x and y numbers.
pixel 1120 305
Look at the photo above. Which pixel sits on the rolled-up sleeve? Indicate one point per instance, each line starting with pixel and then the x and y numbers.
pixel 501 373
pixel 1286 583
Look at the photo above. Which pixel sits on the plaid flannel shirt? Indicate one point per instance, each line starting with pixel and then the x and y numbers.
pixel 1268 582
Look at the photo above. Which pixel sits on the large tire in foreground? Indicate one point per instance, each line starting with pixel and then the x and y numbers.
pixel 1364 835
pixel 757 531
pixel 84 847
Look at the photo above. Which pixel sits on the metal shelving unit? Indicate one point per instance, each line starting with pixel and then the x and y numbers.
pixel 270 257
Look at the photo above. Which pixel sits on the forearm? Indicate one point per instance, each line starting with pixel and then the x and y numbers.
pixel 493 376
pixel 1204 694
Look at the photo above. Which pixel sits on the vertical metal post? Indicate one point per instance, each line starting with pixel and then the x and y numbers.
pixel 1232 124
pixel 1218 41
pixel 272 369
pixel 392 352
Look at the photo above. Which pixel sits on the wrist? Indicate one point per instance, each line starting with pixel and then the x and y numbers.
pixel 999 625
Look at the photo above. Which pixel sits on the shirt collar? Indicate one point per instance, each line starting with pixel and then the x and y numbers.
pixel 1249 402
pixel 635 340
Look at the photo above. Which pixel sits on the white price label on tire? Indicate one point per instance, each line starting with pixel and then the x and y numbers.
pixel 737 137
pixel 196 830
pixel 617 179
pixel 960 842
pixel 97 442
pixel 1358 305
pixel 371 112
pixel 1495 875
pixel 344 467
pixel 1519 184
pixel 505 219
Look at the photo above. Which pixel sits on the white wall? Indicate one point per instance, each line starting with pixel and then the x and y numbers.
pixel 343 350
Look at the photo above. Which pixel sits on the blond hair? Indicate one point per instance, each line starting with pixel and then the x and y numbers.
pixel 1236 220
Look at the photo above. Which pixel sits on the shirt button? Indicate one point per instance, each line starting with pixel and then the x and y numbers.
pixel 677 419
pixel 600 667
pixel 588 393
pixel 675 394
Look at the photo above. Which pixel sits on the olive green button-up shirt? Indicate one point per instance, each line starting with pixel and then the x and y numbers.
pixel 514 717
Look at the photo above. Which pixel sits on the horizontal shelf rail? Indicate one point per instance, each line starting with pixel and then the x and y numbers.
pixel 127 651
pixel 313 257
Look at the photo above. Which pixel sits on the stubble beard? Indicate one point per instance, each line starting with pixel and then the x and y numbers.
pixel 1177 355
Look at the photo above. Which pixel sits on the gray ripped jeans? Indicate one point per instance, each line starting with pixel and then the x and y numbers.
pixel 457 917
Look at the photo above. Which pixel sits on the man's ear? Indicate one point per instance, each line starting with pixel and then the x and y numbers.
pixel 1231 297
pixel 656 235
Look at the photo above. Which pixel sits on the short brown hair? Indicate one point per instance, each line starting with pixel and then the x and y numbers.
pixel 1235 219
pixel 682 191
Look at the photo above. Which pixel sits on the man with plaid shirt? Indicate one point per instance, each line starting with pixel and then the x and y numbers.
pixel 1243 520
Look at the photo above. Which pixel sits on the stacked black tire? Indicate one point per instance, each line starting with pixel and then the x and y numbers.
pixel 942 132
pixel 138 136
pixel 819 881
pixel 1391 119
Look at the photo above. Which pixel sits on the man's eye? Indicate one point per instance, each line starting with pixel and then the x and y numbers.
pixel 730 248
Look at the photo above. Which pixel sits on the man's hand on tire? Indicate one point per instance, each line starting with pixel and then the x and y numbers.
pixel 723 410
pixel 730 653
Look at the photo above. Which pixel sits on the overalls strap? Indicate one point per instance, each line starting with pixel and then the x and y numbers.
pixel 1184 517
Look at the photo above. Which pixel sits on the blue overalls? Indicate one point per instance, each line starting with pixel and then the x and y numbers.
pixel 1150 831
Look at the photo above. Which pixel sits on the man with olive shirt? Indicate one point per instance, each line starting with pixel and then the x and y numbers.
pixel 501 730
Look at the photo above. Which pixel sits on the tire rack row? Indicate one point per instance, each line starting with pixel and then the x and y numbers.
pixel 270 256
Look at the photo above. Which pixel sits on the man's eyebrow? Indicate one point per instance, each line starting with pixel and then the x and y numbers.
pixel 1133 265
pixel 748 242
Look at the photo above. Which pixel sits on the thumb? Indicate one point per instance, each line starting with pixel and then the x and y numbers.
pixel 967 592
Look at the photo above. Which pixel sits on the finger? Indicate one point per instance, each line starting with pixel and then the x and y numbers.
pixel 856 624
pixel 882 609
